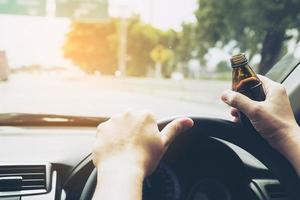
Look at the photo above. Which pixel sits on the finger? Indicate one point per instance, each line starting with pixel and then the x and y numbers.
pixel 238 101
pixel 174 128
pixel 268 84
pixel 265 80
pixel 117 116
pixel 234 112
pixel 148 115
pixel 236 120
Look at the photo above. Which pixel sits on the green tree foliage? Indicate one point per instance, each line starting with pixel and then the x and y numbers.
pixel 187 43
pixel 183 44
pixel 257 26
pixel 92 46
pixel 142 38
pixel 223 66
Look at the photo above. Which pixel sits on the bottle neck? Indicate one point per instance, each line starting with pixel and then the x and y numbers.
pixel 242 64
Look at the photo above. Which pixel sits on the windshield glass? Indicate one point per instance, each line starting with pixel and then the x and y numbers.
pixel 101 57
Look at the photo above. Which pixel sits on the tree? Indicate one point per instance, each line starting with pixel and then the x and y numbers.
pixel 160 55
pixel 256 26
pixel 142 38
pixel 186 45
pixel 92 46
pixel 223 66
pixel 183 44
pixel 170 40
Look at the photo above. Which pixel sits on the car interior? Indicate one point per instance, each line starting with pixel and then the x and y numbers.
pixel 49 158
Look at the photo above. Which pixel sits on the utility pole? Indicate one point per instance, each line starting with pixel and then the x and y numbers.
pixel 124 9
pixel 122 60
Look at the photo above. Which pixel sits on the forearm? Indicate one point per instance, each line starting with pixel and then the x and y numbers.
pixel 289 146
pixel 116 184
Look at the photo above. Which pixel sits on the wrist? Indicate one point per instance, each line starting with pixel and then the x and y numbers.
pixel 285 137
pixel 119 180
pixel 118 166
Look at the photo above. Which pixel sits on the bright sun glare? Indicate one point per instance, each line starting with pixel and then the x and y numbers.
pixel 38 40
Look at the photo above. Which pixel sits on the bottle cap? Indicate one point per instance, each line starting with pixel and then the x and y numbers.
pixel 238 60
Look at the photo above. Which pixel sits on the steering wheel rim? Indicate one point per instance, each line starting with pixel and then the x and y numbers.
pixel 249 140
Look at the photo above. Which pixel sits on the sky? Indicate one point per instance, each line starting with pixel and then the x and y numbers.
pixel 163 14
pixel 38 40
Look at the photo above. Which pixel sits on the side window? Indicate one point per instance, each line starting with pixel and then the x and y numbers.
pixel 287 64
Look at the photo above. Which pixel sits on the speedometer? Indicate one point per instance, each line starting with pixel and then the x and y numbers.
pixel 209 189
pixel 161 185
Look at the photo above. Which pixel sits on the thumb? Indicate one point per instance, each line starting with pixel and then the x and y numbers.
pixel 238 101
pixel 174 128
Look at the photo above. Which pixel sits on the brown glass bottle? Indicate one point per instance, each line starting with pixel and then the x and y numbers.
pixel 245 81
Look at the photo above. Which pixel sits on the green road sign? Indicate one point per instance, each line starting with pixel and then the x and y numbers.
pixel 82 9
pixel 23 7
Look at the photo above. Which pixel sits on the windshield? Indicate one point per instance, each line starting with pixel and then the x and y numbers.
pixel 101 57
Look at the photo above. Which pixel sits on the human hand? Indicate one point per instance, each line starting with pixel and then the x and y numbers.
pixel 272 118
pixel 133 141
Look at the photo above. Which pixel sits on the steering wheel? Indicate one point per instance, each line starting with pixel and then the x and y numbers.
pixel 249 140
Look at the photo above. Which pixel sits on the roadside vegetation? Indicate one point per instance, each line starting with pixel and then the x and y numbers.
pixel 262 29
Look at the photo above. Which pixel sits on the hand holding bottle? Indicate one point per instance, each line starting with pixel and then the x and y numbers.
pixel 272 118
pixel 245 81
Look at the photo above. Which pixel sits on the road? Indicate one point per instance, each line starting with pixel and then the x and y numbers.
pixel 103 96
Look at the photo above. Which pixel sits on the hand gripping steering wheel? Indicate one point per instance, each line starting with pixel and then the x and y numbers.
pixel 249 140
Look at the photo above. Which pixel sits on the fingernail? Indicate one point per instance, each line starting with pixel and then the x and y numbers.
pixel 226 95
pixel 186 124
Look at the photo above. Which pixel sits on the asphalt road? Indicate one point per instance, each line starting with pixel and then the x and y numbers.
pixel 104 96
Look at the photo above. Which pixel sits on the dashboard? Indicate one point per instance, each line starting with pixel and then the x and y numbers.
pixel 192 169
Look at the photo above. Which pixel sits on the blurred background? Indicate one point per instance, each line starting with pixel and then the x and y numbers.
pixel 100 57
